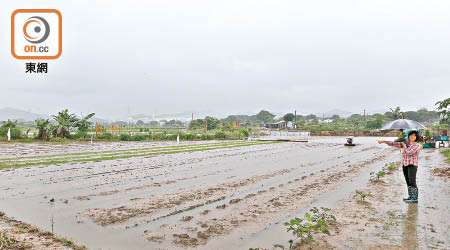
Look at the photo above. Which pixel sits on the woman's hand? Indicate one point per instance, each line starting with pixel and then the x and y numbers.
pixel 403 145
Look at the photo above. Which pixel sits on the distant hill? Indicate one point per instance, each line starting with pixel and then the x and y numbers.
pixel 21 115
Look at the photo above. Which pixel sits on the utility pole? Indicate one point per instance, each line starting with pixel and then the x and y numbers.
pixel 295 119
pixel 364 114
pixel 192 117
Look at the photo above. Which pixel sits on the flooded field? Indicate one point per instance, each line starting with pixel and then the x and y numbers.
pixel 221 194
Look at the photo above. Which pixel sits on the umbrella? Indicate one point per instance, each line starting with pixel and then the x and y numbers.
pixel 403 124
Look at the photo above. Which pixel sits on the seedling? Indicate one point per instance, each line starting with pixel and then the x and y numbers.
pixel 376 176
pixel 303 229
pixel 391 166
pixel 362 195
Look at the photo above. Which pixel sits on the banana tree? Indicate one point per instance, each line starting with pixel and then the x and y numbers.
pixel 396 113
pixel 44 127
pixel 83 124
pixel 65 122
pixel 9 124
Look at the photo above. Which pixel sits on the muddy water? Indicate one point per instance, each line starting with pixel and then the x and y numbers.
pixel 257 186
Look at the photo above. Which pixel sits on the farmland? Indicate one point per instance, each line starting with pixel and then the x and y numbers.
pixel 215 195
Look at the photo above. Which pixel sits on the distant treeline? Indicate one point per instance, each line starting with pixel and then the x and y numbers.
pixel 373 121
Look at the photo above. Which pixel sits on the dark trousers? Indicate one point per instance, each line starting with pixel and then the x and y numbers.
pixel 410 172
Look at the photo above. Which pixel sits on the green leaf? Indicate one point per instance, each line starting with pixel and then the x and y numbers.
pixel 308 216
pixel 279 246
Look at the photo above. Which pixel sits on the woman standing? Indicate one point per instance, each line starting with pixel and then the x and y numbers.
pixel 410 162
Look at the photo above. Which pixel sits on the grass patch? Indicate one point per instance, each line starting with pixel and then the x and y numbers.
pixel 446 153
pixel 117 154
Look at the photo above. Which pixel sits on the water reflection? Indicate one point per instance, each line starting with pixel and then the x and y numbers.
pixel 409 237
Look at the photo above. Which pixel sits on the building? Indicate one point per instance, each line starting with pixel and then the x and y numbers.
pixel 280 125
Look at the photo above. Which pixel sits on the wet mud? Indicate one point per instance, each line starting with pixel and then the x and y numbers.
pixel 226 198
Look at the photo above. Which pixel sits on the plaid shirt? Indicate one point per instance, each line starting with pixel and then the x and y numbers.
pixel 410 154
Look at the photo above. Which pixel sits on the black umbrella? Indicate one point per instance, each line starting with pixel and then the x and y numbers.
pixel 403 124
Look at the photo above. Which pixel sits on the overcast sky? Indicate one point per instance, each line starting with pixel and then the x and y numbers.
pixel 235 57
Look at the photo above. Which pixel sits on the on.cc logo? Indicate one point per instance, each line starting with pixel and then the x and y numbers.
pixel 37 25
pixel 36 34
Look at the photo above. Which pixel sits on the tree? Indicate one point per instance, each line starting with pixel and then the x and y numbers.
pixel 375 123
pixel 83 124
pixel 140 123
pixel 154 124
pixel 9 124
pixel 395 113
pixel 335 117
pixel 265 116
pixel 43 126
pixel 301 123
pixel 355 117
pixel 212 122
pixel 195 124
pixel 65 122
pixel 288 117
pixel 444 110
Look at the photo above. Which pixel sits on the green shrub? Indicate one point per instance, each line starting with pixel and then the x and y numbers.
pixel 245 132
pixel 16 133
pixel 190 137
pixel 106 136
pixel 138 137
pixel 125 137
pixel 171 137
pixel 159 136
pixel 220 135
pixel 428 134
pixel 80 136
pixel 58 139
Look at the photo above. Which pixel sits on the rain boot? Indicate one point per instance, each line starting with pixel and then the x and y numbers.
pixel 409 193
pixel 415 196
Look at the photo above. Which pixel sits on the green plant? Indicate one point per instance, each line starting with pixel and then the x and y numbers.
pixel 391 166
pixel 220 135
pixel 65 122
pixel 428 135
pixel 9 124
pixel 125 137
pixel 83 124
pixel 105 136
pixel 303 229
pixel 375 176
pixel 43 126
pixel 446 153
pixel 362 195
pixel 16 133
pixel 245 132
pixel 444 110
pixel 138 137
